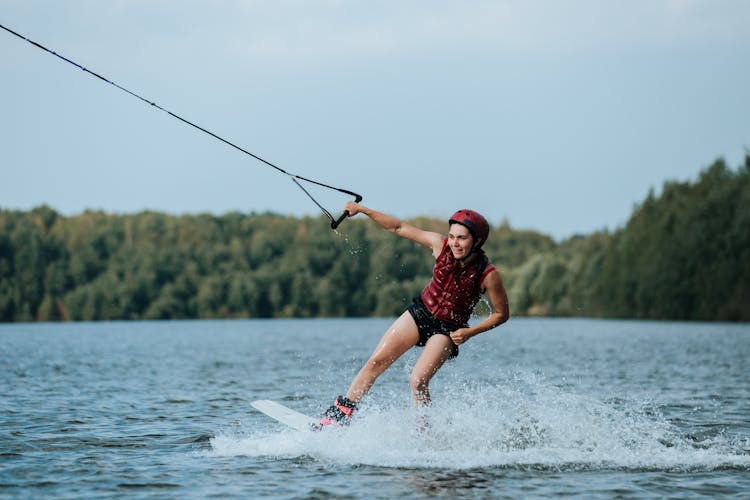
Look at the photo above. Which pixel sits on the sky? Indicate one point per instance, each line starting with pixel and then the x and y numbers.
pixel 556 116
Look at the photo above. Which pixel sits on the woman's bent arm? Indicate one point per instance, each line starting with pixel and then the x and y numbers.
pixel 499 301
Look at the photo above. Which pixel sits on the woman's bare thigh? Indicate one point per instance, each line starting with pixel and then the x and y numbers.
pixel 399 338
pixel 436 351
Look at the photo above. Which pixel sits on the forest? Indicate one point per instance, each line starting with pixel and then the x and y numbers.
pixel 684 254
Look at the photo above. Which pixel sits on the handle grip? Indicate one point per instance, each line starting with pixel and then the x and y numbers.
pixel 335 223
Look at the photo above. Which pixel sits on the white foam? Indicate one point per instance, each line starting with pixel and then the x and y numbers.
pixel 522 422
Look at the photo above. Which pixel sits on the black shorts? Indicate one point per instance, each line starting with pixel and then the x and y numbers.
pixel 428 325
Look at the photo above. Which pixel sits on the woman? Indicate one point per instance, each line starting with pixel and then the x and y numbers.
pixel 438 319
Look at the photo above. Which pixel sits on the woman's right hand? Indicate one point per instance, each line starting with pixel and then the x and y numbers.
pixel 353 208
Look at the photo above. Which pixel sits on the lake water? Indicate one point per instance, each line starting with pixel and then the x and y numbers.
pixel 536 408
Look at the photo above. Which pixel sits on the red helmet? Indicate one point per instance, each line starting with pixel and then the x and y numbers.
pixel 475 223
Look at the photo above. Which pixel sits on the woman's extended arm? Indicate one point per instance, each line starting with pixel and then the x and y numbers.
pixel 429 239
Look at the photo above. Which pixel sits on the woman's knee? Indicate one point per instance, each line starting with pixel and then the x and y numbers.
pixel 419 383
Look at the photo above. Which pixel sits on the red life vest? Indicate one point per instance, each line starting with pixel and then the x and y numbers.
pixel 454 289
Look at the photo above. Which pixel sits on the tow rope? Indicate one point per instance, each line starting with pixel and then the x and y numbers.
pixel 295 178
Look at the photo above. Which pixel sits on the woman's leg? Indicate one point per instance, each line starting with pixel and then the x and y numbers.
pixel 399 338
pixel 437 351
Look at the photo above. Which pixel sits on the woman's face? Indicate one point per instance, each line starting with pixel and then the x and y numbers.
pixel 460 241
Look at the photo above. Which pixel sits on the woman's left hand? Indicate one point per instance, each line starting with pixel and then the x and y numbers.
pixel 460 336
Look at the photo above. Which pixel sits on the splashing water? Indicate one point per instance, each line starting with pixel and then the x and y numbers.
pixel 354 249
pixel 523 423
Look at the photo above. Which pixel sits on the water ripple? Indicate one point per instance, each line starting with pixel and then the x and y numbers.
pixel 541 408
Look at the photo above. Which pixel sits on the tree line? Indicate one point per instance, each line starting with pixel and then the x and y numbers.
pixel 684 254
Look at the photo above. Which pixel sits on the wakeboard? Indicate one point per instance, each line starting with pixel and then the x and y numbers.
pixel 285 415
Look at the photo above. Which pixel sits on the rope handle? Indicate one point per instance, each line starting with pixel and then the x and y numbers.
pixel 335 223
